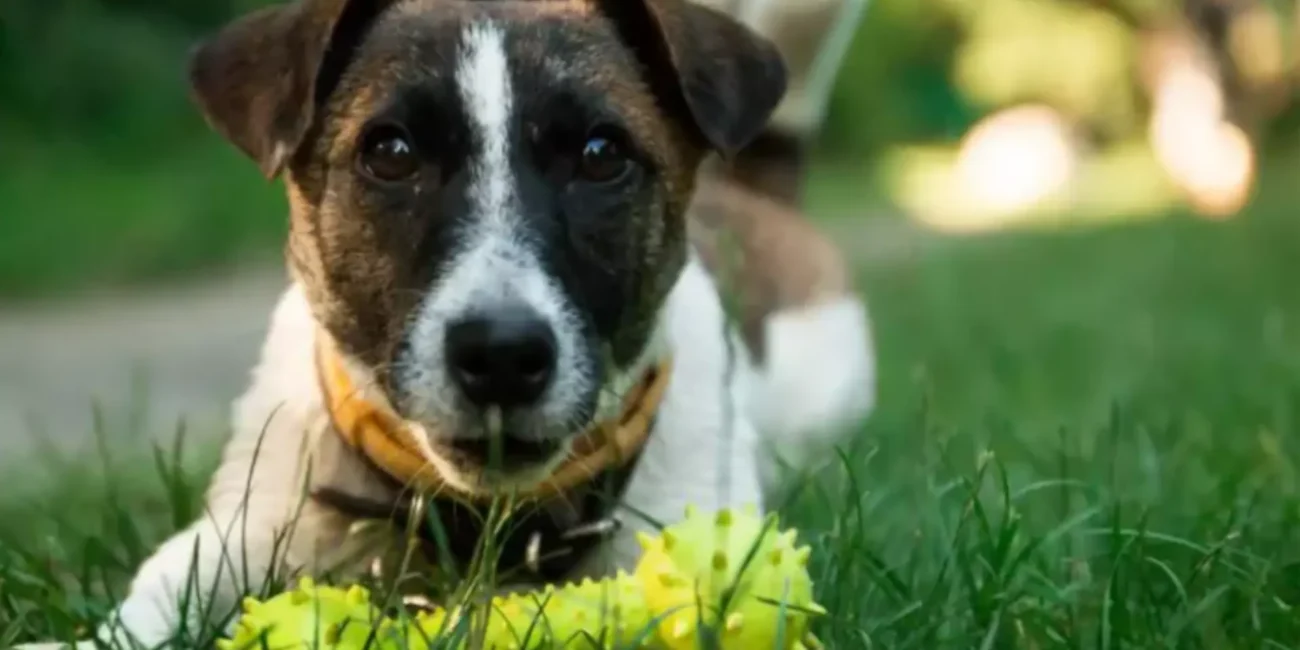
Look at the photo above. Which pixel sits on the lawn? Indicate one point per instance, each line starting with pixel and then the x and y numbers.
pixel 1086 439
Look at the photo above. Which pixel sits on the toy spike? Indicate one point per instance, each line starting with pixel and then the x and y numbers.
pixel 720 561
pixel 357 595
pixel 671 581
pixel 725 518
pixel 681 630
pixel 734 622
pixel 801 556
pixel 669 540
pixel 646 541
pixel 333 633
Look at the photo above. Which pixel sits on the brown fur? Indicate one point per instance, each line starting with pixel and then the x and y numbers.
pixel 774 166
pixel 767 256
pixel 294 85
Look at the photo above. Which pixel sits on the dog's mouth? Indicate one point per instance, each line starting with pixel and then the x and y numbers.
pixel 503 456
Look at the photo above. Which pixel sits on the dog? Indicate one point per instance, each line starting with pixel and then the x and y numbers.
pixel 506 286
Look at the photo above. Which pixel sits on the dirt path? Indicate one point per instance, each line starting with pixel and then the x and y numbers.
pixel 189 348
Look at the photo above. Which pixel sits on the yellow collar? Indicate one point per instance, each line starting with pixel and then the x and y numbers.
pixel 387 440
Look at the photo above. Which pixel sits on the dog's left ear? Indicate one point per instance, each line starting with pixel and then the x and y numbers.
pixel 259 80
pixel 727 78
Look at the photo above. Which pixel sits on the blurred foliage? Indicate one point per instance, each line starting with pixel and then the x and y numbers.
pixel 112 72
pixel 926 70
pixel 894 86
pixel 101 74
pixel 1073 57
pixel 102 152
pixel 96 124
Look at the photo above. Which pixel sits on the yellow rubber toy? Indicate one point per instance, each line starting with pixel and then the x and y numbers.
pixel 604 614
pixel 310 616
pixel 732 577
pixel 735 575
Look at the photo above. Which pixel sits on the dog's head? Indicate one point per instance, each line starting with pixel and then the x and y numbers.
pixel 488 197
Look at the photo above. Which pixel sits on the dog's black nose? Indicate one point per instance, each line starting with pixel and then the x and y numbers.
pixel 504 357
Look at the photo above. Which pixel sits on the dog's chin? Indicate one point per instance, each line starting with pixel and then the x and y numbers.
pixel 534 442
pixel 467 473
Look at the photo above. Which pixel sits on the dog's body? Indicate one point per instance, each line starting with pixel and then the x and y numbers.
pixel 500 286
pixel 698 453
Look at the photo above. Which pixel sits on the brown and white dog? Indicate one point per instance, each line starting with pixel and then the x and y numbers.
pixel 494 254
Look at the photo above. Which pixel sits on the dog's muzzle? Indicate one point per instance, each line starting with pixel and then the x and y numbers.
pixel 395 446
pixel 503 358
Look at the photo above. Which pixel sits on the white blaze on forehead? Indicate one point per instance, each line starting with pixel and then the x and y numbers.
pixel 483 76
pixel 494 264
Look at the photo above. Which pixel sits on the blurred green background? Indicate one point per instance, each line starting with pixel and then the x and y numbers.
pixel 108 176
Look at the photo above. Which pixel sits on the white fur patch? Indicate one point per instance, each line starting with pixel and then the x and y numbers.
pixel 483 76
pixel 495 265
pixel 818 381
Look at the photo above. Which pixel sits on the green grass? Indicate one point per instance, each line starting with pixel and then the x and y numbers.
pixel 79 219
pixel 1087 439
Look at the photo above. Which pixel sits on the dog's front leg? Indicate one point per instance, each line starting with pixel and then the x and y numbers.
pixel 165 586
pixel 196 578
pixel 193 580
pixel 260 526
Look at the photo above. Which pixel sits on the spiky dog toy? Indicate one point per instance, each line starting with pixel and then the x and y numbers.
pixel 733 576
pixel 729 580
pixel 311 616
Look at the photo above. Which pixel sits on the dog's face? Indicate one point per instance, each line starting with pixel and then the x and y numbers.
pixel 488 198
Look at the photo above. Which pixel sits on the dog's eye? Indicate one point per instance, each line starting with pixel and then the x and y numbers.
pixel 387 154
pixel 603 160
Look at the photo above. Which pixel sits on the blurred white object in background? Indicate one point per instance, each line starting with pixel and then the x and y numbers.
pixel 1015 158
pixel 1211 159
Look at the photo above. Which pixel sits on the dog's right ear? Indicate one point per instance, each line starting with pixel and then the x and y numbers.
pixel 260 80
pixel 723 78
